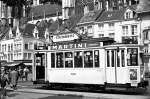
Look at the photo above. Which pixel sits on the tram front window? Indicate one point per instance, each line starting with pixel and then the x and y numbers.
pixel 78 62
pixel 68 59
pixel 88 59
pixel 59 60
pixel 132 57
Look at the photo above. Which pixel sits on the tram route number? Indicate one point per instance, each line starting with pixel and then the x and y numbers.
pixel 73 73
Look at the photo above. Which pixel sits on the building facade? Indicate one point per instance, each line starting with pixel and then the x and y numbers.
pixel 18 42
pixel 18 46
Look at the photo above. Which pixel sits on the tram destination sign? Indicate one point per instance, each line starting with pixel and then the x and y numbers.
pixel 74 45
pixel 64 37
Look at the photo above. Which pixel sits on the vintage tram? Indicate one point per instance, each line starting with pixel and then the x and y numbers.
pixel 98 63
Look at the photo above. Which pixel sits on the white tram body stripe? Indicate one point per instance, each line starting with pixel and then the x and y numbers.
pixel 78 76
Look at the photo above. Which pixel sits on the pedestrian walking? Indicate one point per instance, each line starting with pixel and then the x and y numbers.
pixel 14 78
pixel 20 71
pixel 3 81
pixel 26 71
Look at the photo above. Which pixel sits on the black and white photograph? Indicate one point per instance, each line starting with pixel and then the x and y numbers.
pixel 74 49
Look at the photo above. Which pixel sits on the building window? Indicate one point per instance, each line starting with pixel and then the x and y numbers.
pixel 25 56
pixel 5 47
pixel 112 35
pixel 111 26
pixel 101 27
pixel 134 29
pixel 145 35
pixel 11 47
pixel 36 35
pixel 101 35
pixel 125 30
pixel 127 15
pixel 90 31
pixel 29 56
pixel 30 45
pixel 26 46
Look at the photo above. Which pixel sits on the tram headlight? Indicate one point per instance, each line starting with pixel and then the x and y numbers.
pixel 133 74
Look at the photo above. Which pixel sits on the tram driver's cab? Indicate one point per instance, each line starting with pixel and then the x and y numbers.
pixel 40 66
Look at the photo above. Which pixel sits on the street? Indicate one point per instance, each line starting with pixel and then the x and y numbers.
pixel 52 94
pixel 27 91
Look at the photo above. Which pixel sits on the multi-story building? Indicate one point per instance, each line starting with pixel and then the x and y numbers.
pixel 18 42
pixel 143 11
pixel 122 24
pixel 18 45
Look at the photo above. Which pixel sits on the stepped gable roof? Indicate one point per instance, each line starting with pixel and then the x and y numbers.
pixel 48 9
pixel 143 6
pixel 90 17
pixel 111 15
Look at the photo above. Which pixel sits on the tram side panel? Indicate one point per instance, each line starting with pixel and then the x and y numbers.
pixel 78 75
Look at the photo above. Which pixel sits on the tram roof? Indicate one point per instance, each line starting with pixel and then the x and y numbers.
pixel 121 45
pixel 103 39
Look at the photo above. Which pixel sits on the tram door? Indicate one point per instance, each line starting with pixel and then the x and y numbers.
pixel 40 66
pixel 115 66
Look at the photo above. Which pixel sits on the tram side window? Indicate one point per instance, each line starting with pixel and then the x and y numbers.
pixel 132 56
pixel 88 59
pixel 108 59
pixel 59 60
pixel 68 59
pixel 118 58
pixel 53 60
pixel 122 58
pixel 78 60
pixel 113 58
pixel 96 58
pixel 43 60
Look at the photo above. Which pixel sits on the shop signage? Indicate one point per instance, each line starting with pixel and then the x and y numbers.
pixel 64 37
pixel 74 46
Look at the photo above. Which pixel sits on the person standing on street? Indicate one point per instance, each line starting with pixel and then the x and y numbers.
pixel 26 71
pixel 3 81
pixel 14 78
